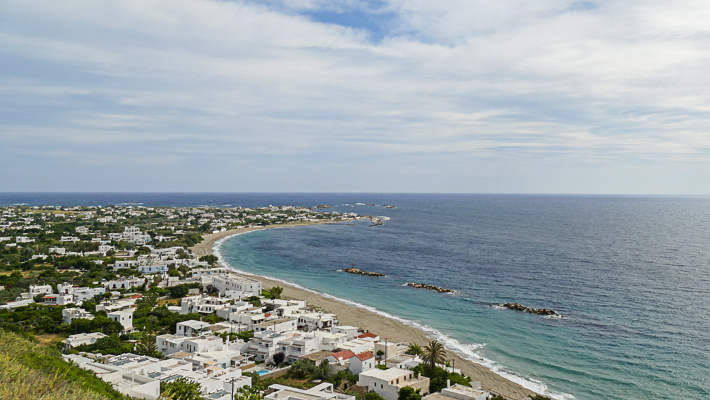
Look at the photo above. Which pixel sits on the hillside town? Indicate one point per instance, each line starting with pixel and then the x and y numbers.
pixel 130 302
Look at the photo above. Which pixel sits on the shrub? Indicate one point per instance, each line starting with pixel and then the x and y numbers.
pixel 302 369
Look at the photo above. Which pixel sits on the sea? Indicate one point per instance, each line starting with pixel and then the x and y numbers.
pixel 630 275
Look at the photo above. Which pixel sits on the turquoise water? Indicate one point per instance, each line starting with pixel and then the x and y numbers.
pixel 630 275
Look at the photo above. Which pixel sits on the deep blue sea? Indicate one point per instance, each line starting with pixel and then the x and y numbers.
pixel 630 273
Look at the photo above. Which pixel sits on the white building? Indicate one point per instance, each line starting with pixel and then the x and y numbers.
pixel 104 248
pixel 125 283
pixel 324 391
pixel 316 320
pixel 460 392
pixel 58 299
pixel 124 264
pixel 153 269
pixel 79 294
pixel 191 328
pixel 40 289
pixel 82 338
pixel 235 286
pixel 69 314
pixel 387 383
pixel 16 304
pixel 362 362
pixel 23 239
pixel 203 304
pixel 124 317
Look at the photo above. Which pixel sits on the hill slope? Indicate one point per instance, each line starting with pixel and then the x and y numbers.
pixel 30 371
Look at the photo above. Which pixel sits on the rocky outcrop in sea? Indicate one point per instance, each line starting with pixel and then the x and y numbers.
pixel 361 272
pixel 522 308
pixel 430 287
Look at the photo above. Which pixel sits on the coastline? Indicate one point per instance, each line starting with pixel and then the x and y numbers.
pixel 384 326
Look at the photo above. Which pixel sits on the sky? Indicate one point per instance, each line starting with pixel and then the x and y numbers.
pixel 462 96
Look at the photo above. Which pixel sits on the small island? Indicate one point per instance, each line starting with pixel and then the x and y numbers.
pixel 522 308
pixel 430 287
pixel 323 206
pixel 356 271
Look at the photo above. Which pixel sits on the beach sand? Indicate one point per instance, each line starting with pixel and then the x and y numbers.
pixel 380 325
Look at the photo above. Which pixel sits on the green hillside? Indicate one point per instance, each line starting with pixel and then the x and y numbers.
pixel 30 371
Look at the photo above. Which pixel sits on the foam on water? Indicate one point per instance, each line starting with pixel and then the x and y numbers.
pixel 464 350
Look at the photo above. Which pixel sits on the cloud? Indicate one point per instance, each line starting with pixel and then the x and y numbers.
pixel 283 86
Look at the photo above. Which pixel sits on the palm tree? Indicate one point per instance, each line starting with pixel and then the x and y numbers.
pixel 434 354
pixel 276 292
pixel 414 349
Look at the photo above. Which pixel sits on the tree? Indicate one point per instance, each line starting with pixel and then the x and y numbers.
pixel 302 368
pixel 434 353
pixel 408 393
pixel 247 393
pixel 184 269
pixel 438 377
pixel 380 354
pixel 254 300
pixel 279 358
pixel 373 396
pixel 497 397
pixel 179 291
pixel 146 345
pixel 341 375
pixel 276 292
pixel 539 397
pixel 322 370
pixel 180 389
pixel 245 335
pixel 211 259
pixel 414 350
pixel 173 272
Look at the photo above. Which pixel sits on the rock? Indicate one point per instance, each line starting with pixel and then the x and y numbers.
pixel 322 206
pixel 360 272
pixel 430 287
pixel 522 308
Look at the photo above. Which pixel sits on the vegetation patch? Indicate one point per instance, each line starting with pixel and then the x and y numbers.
pixel 30 371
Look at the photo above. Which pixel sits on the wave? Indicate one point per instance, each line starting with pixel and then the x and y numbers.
pixel 464 350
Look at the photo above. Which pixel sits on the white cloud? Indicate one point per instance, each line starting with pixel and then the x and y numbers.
pixel 563 84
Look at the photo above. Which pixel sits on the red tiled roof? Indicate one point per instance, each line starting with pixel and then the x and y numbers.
pixel 344 355
pixel 135 296
pixel 367 335
pixel 365 356
pixel 267 315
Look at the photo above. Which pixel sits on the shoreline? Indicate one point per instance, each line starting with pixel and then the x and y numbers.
pixel 369 318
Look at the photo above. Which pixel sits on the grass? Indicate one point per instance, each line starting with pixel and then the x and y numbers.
pixel 30 371
pixel 50 339
pixel 172 302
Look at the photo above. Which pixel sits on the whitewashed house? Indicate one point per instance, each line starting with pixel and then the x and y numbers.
pixel 387 383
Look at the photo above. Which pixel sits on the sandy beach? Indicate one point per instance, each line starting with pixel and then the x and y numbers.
pixel 382 326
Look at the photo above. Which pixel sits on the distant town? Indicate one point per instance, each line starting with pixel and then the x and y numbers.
pixel 120 292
